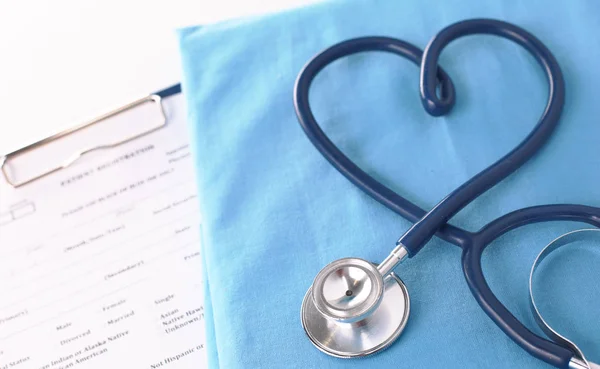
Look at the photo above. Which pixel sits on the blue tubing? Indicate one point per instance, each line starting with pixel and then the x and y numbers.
pixel 538 347
pixel 435 221
pixel 418 235
pixel 351 171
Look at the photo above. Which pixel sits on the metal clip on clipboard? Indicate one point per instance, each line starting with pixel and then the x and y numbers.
pixel 154 98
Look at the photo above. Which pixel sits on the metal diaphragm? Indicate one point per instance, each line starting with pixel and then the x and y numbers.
pixel 352 311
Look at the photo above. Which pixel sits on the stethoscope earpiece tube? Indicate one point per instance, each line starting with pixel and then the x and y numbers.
pixel 422 231
pixel 563 240
pixel 543 349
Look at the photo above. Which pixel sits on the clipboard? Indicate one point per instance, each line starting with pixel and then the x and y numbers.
pixel 112 236
pixel 154 99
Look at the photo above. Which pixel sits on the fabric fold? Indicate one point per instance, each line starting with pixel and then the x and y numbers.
pixel 275 212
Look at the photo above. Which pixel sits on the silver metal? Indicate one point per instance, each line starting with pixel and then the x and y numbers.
pixel 77 155
pixel 398 254
pixel 364 337
pixel 575 363
pixel 347 290
pixel 578 361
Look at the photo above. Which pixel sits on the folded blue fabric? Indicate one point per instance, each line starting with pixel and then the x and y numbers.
pixel 275 212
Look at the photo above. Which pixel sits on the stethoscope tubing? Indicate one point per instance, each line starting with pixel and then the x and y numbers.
pixel 422 231
pixel 435 221
pixel 341 162
pixel 539 347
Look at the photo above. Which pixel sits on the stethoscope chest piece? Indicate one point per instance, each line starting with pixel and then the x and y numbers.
pixel 351 310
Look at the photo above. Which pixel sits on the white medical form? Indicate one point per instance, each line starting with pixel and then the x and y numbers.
pixel 100 262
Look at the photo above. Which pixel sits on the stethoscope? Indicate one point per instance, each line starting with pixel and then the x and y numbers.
pixel 354 307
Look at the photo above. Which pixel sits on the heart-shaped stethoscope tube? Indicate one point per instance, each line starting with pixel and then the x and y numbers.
pixel 435 221
pixel 329 150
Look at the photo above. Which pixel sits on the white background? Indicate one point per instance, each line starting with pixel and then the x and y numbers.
pixel 65 61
